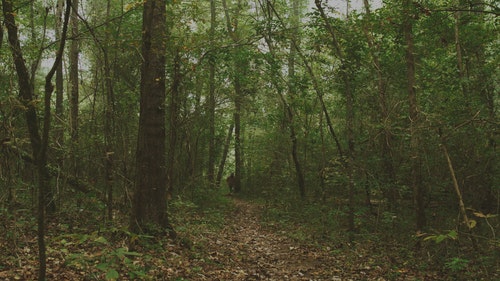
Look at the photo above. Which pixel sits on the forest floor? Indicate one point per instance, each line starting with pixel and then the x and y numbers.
pixel 236 246
pixel 245 250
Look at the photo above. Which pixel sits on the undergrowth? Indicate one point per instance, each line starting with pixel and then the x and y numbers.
pixel 388 238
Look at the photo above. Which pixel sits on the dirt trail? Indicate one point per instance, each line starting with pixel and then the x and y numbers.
pixel 244 250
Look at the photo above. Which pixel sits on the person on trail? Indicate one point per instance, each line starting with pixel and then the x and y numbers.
pixel 231 181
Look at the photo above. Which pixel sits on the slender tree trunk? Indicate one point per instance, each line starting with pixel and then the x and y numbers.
pixel 109 121
pixel 239 69
pixel 26 96
pixel 48 193
pixel 26 93
pixel 348 92
pixel 1 33
pixel 43 172
pixel 388 174
pixel 59 76
pixel 174 112
pixel 222 163
pixel 455 185
pixel 315 83
pixel 293 93
pixel 458 49
pixel 237 137
pixel 149 210
pixel 350 146
pixel 73 89
pixel 109 111
pixel 59 112
pixel 211 99
pixel 415 160
pixel 489 95
pixel 39 142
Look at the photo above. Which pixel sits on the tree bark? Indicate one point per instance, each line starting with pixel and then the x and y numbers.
pixel 458 49
pixel 292 91
pixel 349 95
pixel 149 212
pixel 109 121
pixel 43 173
pixel 74 90
pixel 59 112
pixel 211 99
pixel 39 143
pixel 174 113
pixel 415 160
pixel 388 173
pixel 239 69
pixel 222 163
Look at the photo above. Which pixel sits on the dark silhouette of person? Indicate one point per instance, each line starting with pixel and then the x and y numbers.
pixel 231 181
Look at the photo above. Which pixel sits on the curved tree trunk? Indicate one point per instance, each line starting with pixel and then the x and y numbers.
pixel 39 143
pixel 345 70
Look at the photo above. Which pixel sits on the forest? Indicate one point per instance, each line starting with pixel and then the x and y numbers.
pixel 249 140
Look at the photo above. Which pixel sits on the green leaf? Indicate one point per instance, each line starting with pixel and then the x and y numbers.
pixel 101 240
pixel 103 266
pixel 440 238
pixel 453 234
pixel 83 238
pixel 112 275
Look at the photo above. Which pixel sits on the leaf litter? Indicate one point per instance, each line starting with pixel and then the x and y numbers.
pixel 241 249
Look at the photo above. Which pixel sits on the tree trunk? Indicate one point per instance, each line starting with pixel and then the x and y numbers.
pixel 458 49
pixel 223 158
pixel 211 99
pixel 174 112
pixel 109 121
pixel 26 96
pixel 59 112
pixel 349 95
pixel 239 69
pixel 315 83
pixel 388 173
pixel 74 90
pixel 59 77
pixel 415 160
pixel 39 143
pixel 292 91
pixel 149 203
pixel 238 163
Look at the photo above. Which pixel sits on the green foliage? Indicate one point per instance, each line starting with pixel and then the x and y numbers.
pixel 457 264
pixel 438 238
pixel 115 259
pixel 461 106
pixel 113 262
